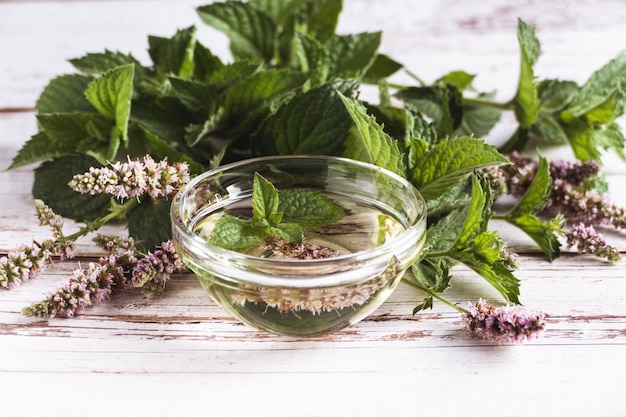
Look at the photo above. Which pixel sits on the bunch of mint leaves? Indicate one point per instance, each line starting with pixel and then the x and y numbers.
pixel 282 216
pixel 292 88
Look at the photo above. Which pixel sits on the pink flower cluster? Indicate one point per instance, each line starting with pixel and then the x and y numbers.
pixel 152 271
pixel 133 179
pixel 587 240
pixel 27 261
pixel 94 284
pixel 24 263
pixel 507 324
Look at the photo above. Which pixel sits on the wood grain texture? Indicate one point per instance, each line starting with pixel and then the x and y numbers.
pixel 181 354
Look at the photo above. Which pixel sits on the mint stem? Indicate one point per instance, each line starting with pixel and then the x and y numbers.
pixel 479 102
pixel 415 77
pixel 435 295
pixel 117 211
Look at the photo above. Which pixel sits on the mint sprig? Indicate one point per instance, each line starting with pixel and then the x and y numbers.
pixel 282 215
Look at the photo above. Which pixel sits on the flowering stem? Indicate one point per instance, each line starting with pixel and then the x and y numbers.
pixel 435 295
pixel 116 211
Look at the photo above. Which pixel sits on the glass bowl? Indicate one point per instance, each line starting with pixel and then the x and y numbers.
pixel 378 239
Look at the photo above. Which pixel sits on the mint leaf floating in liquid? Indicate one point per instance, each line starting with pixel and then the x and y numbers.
pixel 275 216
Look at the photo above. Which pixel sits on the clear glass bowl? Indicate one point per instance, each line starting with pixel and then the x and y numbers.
pixel 379 238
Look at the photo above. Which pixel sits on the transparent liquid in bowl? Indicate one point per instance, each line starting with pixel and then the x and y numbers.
pixel 304 311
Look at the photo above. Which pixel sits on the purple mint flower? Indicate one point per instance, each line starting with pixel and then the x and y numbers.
pixel 88 287
pixel 152 271
pixel 133 179
pixel 507 324
pixel 24 263
pixel 586 207
pixel 574 173
pixel 113 243
pixel 587 240
pixel 47 217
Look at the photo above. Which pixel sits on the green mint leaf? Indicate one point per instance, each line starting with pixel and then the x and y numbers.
pixel 196 96
pixel 442 235
pixel 235 234
pixel 352 55
pixel 309 209
pixel 111 94
pixel 459 79
pixel 526 99
pixel 161 149
pixel 368 142
pixel 554 95
pixel 321 17
pixel 231 74
pixel 433 273
pixel 250 101
pixel 315 122
pixel 587 140
pixel 488 247
pixel 50 185
pixel 279 10
pixel 36 149
pixel 477 215
pixel 611 137
pixel 581 138
pixel 175 55
pixel 149 223
pixel 264 202
pixel 478 120
pixel 537 195
pixel 313 58
pixel 607 111
pixel 543 233
pixel 602 84
pixel 427 303
pixel 195 132
pixel 457 196
pixel 252 33
pixel 65 94
pixel 441 102
pixel 396 122
pixel 288 231
pixel 450 161
pixel 548 129
pixel 204 63
pixel 99 63
pixel 496 274
pixel 64 134
pixel 382 68
pixel 165 118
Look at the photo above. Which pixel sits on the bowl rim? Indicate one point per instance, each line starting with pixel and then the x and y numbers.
pixel 179 226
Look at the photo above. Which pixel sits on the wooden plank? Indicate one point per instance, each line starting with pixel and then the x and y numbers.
pixel 186 312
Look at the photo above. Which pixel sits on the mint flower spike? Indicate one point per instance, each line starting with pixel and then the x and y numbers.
pixel 27 261
pixel 587 207
pixel 113 243
pixel 87 287
pixel 575 173
pixel 507 324
pixel 133 179
pixel 24 263
pixel 587 240
pixel 123 267
pixel 152 271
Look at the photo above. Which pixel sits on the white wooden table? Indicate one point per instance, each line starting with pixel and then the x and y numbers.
pixel 182 355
